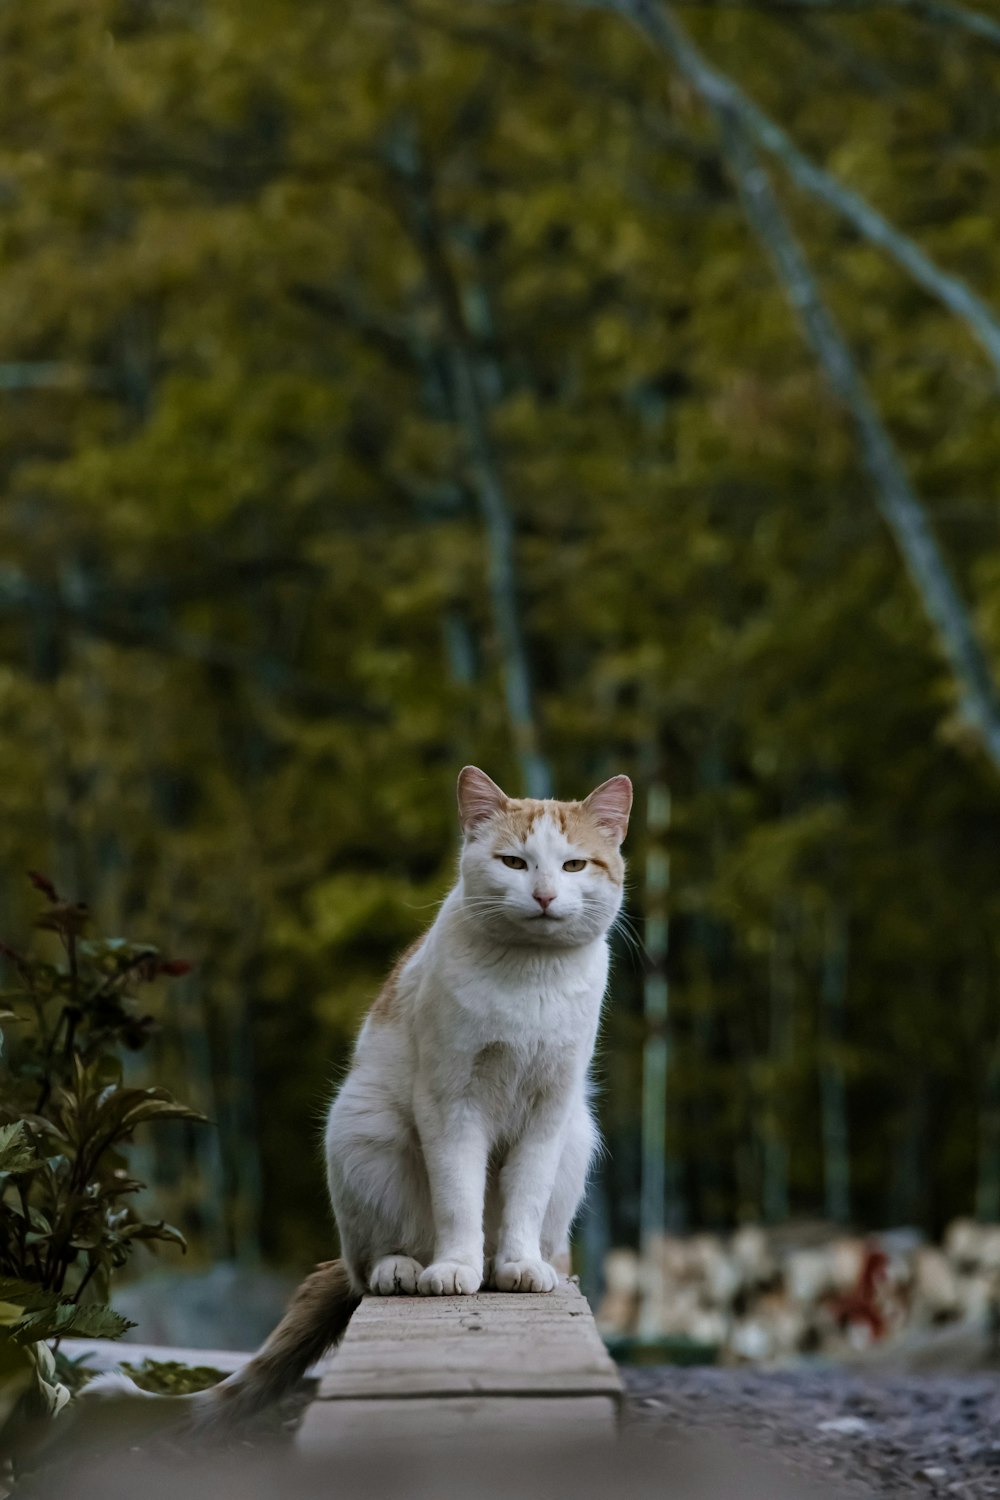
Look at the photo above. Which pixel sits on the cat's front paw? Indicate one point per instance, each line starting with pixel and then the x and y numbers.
pixel 395 1276
pixel 524 1276
pixel 449 1278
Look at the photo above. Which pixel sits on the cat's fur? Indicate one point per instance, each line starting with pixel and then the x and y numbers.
pixel 459 1143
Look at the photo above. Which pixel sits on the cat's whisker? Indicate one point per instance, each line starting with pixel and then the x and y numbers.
pixel 633 942
pixel 626 924
pixel 626 930
pixel 467 913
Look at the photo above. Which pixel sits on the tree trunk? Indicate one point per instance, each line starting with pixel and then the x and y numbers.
pixel 833 1091
pixel 988 1168
pixel 472 414
pixel 781 997
pixel 655 1049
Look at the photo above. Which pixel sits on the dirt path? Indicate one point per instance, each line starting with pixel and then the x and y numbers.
pixel 928 1435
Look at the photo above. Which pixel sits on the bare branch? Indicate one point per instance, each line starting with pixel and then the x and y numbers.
pixel 941 13
pixel 894 496
pixel 721 93
pixel 893 493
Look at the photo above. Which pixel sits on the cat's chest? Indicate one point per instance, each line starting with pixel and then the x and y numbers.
pixel 518 1041
pixel 524 1003
pixel 509 1080
pixel 512 1031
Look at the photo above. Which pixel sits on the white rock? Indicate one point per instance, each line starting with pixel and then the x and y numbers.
pixel 847 1426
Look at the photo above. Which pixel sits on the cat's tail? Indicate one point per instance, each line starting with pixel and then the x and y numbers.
pixel 317 1316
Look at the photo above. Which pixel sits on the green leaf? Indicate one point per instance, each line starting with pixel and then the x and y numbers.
pixel 160 1231
pixel 121 1110
pixel 98 1322
pixel 55 1396
pixel 161 1109
pixel 17 1150
pixel 45 1361
pixel 83 1322
pixel 171 1378
pixel 27 1295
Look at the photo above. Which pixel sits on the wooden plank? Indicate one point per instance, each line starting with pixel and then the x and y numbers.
pixel 497 1343
pixel 342 1424
pixel 453 1366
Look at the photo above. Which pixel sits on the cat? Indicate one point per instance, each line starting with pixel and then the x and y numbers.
pixel 459 1143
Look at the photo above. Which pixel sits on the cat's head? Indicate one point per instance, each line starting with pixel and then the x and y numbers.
pixel 543 873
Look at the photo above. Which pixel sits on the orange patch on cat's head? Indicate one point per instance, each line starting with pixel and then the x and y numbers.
pixel 596 826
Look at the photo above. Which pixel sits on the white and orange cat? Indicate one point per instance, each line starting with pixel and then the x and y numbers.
pixel 459 1143
pixel 458 1147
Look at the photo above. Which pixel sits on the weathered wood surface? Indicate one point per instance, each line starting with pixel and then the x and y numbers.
pixel 454 1366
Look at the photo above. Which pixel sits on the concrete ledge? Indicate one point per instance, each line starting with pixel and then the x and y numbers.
pixel 108 1354
pixel 445 1367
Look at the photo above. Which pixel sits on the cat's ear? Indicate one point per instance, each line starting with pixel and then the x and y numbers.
pixel 610 804
pixel 478 798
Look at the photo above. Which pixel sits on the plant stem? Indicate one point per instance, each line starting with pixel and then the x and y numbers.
pixel 84 1280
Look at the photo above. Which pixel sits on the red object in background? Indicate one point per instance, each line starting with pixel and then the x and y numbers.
pixel 862 1306
pixel 43 883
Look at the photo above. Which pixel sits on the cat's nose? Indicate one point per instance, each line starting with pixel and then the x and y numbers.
pixel 544 898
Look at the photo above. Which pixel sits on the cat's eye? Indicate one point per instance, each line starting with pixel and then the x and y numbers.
pixel 514 861
pixel 574 864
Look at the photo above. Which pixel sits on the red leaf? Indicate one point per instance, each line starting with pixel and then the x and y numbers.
pixel 175 967
pixel 43 884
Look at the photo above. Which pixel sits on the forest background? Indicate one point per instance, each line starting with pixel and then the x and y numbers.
pixel 386 386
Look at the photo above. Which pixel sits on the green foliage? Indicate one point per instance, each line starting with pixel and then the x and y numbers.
pixel 46 1315
pixel 30 1388
pixel 66 1219
pixel 166 1377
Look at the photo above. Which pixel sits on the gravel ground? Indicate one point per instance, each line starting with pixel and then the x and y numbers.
pixel 853 1435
